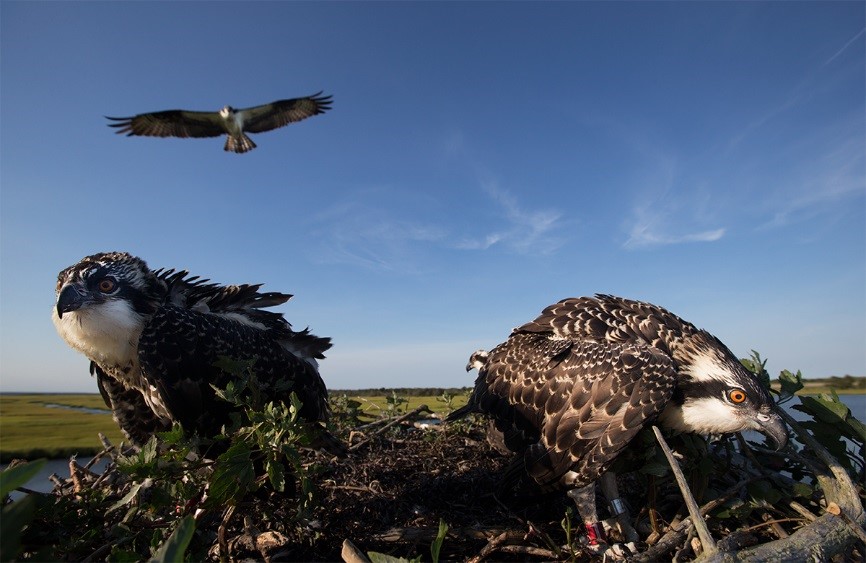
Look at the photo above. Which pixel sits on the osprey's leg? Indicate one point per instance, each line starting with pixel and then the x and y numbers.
pixel 618 510
pixel 584 498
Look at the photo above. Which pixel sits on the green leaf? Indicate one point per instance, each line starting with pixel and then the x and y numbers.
pixel 233 366
pixel 802 490
pixel 764 490
pixel 832 411
pixel 12 520
pixel 436 546
pixel 655 468
pixel 173 436
pixel 277 475
pixel 127 498
pixel 759 367
pixel 857 427
pixel 233 475
pixel 175 546
pixel 13 477
pixel 123 556
pixel 790 384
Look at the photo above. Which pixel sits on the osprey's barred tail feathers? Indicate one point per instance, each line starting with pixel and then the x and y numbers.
pixel 240 144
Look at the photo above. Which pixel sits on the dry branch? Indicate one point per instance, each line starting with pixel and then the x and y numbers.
pixel 397 420
pixel 707 542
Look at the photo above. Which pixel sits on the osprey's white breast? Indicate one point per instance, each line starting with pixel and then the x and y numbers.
pixel 107 334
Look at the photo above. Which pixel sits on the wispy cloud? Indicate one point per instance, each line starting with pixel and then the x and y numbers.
pixel 667 212
pixel 368 231
pixel 644 236
pixel 479 244
pixel 845 46
pixel 814 187
pixel 517 227
pixel 363 235
pixel 769 115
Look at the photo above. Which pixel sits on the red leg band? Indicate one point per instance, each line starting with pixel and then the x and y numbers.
pixel 595 533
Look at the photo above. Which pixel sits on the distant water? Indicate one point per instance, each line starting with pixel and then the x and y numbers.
pixel 88 410
pixel 41 482
pixel 857 404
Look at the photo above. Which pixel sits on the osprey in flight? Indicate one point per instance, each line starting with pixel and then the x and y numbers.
pixel 233 123
pixel 573 387
pixel 154 338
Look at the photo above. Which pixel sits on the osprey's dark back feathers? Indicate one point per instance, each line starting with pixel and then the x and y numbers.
pixel 571 388
pixel 154 339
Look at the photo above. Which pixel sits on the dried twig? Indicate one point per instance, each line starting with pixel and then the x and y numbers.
pixel 676 533
pixel 495 544
pixel 398 420
pixel 706 538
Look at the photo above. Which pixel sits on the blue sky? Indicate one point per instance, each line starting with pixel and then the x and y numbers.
pixel 481 161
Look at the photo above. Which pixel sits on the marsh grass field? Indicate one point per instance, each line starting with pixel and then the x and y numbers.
pixel 29 429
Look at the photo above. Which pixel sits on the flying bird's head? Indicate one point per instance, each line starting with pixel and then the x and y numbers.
pixel 102 303
pixel 227 112
pixel 717 395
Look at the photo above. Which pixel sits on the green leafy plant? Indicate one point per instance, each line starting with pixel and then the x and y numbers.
pixel 395 404
pixel 435 550
pixel 146 512
pixel 19 513
pixel 345 411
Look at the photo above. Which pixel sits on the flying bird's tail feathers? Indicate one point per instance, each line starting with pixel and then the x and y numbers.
pixel 239 144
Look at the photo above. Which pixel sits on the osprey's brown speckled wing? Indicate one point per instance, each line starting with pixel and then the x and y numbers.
pixel 582 400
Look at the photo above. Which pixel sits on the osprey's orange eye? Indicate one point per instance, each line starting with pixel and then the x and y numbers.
pixel 737 396
pixel 106 285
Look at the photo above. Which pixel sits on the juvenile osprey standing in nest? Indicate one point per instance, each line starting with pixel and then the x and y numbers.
pixel 154 338
pixel 573 387
pixel 233 123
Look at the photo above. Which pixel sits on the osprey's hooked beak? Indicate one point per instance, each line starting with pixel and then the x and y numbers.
pixel 70 299
pixel 771 425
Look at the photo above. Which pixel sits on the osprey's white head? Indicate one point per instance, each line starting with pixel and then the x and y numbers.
pixel 227 112
pixel 717 395
pixel 101 306
pixel 477 360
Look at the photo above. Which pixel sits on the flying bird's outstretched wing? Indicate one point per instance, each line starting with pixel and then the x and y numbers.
pixel 280 113
pixel 171 123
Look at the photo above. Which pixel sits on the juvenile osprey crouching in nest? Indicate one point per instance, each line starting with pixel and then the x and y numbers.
pixel 154 339
pixel 234 123
pixel 573 387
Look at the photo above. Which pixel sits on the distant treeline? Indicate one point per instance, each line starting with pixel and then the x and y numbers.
pixel 401 391
pixel 844 382
pixel 849 382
